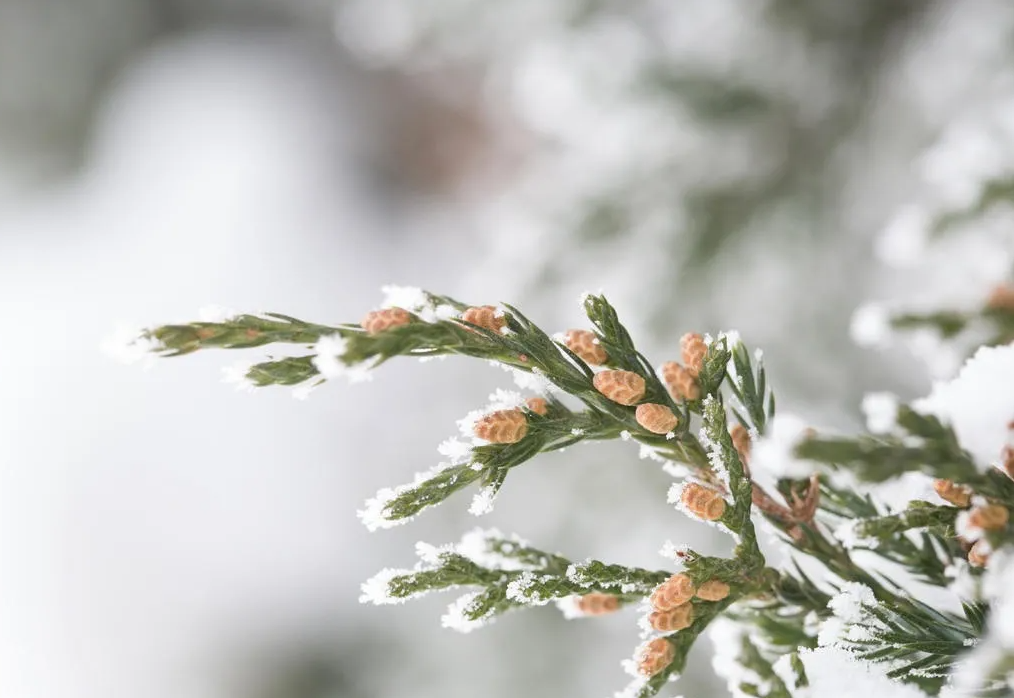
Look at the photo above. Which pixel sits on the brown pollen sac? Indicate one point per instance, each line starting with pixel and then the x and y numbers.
pixel 673 592
pixel 586 345
pixel 713 590
pixel 693 349
pixel 502 426
pixel 376 321
pixel 655 656
pixel 741 440
pixel 624 387
pixel 989 517
pixel 485 316
pixel 205 333
pixel 703 502
pixel 658 419
pixel 670 621
pixel 252 333
pixel 1001 298
pixel 538 405
pixel 952 493
pixel 978 554
pixel 597 604
pixel 682 383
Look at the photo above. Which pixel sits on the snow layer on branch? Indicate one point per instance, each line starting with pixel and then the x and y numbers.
pixel 836 673
pixel 455 618
pixel 978 403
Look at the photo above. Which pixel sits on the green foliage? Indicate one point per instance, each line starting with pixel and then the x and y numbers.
pixel 916 642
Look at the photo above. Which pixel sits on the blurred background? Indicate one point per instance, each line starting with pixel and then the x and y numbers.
pixel 709 165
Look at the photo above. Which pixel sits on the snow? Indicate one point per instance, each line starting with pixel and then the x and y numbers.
pixel 455 618
pixel 377 589
pixel 482 501
pixel 836 673
pixel 871 326
pixel 771 457
pixel 881 411
pixel 236 374
pixel 128 345
pixel 978 403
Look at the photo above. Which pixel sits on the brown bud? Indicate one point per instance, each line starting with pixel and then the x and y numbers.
pixel 1001 298
pixel 377 321
pixel 656 418
pixel 502 426
pixel 624 387
pixel 586 345
pixel 978 554
pixel 673 592
pixel 485 316
pixel 538 405
pixel 682 383
pixel 1007 459
pixel 670 621
pixel 713 590
pixel 741 440
pixel 989 517
pixel 955 494
pixel 597 604
pixel 693 350
pixel 703 502
pixel 655 656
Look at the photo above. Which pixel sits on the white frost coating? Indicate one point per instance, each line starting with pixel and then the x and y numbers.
pixel 377 589
pixel 127 345
pixel 374 511
pixel 963 583
pixel 327 360
pixel 964 528
pixel 455 618
pixel 848 535
pixel 569 608
pixel 673 551
pixel 455 450
pixel 903 242
pixel 517 588
pixel 727 638
pixel 236 375
pixel 482 502
pixel 533 380
pixel 625 435
pixel 978 403
pixel 871 326
pixel 850 603
pixel 881 411
pixel 833 672
pixel 783 670
pixel 771 456
pixel 407 297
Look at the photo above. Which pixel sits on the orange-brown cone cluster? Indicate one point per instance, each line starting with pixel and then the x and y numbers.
pixel 377 321
pixel 502 426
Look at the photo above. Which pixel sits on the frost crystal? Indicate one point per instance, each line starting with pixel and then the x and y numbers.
pixel 482 502
pixel 407 297
pixel 836 673
pixel 978 403
pixel 377 589
pixel 455 618
pixel 455 450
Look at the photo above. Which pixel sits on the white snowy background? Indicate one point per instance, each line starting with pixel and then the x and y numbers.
pixel 162 535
